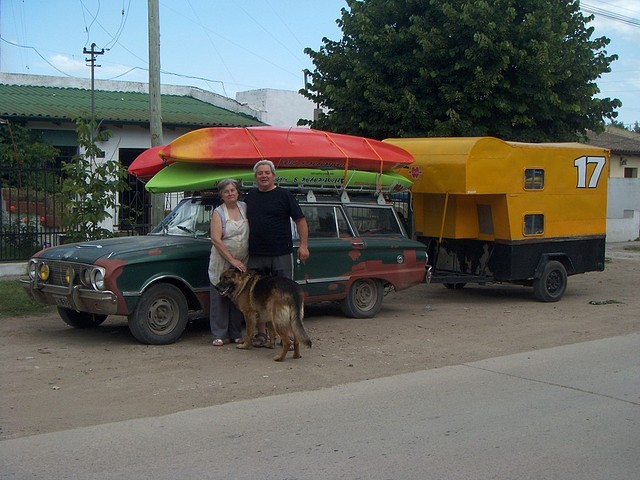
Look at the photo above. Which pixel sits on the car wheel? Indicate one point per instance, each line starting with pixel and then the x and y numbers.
pixel 454 286
pixel 160 316
pixel 364 299
pixel 80 319
pixel 552 282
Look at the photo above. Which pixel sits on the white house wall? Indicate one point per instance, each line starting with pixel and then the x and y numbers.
pixel 278 108
pixel 131 137
pixel 623 209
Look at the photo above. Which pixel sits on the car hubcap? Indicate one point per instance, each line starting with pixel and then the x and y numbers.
pixel 161 315
pixel 365 296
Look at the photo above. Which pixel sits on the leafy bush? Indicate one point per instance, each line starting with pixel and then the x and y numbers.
pixel 91 185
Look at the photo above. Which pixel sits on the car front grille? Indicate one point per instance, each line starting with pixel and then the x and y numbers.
pixel 58 271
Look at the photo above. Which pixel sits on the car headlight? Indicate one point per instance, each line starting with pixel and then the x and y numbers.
pixel 97 278
pixel 68 275
pixel 43 272
pixel 85 277
pixel 32 269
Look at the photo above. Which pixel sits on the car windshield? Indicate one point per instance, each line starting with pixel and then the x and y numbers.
pixel 190 217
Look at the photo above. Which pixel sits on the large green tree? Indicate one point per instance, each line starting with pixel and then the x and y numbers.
pixel 516 69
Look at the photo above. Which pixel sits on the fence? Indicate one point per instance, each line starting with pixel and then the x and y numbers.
pixel 30 210
pixel 32 207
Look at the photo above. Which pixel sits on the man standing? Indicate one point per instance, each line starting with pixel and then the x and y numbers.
pixel 269 211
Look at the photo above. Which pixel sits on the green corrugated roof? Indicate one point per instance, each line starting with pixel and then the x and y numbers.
pixel 56 103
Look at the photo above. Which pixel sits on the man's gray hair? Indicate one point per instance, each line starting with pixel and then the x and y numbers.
pixel 265 162
pixel 225 182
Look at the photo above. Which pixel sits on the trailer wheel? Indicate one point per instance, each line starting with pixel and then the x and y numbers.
pixel 454 286
pixel 160 316
pixel 552 282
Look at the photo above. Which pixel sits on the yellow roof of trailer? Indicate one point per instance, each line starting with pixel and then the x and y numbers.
pixel 479 165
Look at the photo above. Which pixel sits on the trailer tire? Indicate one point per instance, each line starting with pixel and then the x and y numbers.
pixel 552 283
pixel 454 286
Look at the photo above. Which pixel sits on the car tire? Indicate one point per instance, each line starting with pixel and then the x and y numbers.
pixel 160 316
pixel 364 299
pixel 552 282
pixel 80 319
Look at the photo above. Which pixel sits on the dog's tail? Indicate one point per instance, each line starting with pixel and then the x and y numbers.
pixel 297 317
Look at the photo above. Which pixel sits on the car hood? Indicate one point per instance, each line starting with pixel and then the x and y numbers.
pixel 118 248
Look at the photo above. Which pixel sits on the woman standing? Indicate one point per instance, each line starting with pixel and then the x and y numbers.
pixel 230 239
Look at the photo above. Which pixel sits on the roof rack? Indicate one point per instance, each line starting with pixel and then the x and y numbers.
pixel 331 187
pixel 336 182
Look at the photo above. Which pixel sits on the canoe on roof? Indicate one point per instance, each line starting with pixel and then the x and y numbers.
pixel 286 147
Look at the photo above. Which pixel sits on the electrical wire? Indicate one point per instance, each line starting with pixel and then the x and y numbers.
pixel 38 53
pixel 634 22
pixel 123 22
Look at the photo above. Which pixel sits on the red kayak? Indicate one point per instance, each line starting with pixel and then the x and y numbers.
pixel 286 148
pixel 148 163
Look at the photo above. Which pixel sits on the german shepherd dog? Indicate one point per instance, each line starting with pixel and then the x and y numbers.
pixel 277 301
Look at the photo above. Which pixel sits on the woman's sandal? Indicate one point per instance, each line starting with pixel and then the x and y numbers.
pixel 218 342
pixel 259 340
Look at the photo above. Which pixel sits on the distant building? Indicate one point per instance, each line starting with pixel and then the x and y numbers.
pixel 280 108
pixel 623 200
pixel 47 105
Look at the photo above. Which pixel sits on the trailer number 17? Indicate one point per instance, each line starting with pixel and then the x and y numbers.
pixel 582 165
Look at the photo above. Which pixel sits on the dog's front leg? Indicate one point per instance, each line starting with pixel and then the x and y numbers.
pixel 250 320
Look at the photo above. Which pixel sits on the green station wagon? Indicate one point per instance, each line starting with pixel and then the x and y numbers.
pixel 359 251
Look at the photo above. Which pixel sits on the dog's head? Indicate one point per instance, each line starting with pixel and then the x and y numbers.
pixel 232 280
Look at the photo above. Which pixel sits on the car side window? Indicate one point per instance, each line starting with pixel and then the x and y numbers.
pixel 324 221
pixel 374 220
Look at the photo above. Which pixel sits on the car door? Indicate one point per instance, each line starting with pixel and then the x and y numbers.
pixel 389 254
pixel 333 248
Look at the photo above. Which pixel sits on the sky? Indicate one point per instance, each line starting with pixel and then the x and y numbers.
pixel 227 46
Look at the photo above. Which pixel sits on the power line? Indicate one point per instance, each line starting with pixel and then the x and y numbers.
pixel 634 22
pixel 123 22
pixel 38 53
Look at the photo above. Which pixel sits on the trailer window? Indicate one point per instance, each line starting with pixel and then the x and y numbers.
pixel 533 179
pixel 534 224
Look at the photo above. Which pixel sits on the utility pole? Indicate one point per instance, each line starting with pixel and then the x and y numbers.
pixel 92 60
pixel 155 113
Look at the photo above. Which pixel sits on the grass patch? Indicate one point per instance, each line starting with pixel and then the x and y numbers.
pixel 14 301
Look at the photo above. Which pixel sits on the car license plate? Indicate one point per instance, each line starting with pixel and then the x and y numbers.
pixel 62 301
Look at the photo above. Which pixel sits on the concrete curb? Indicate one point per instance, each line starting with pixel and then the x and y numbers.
pixel 13 269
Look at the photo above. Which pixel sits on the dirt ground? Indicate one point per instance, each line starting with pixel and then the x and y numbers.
pixel 55 377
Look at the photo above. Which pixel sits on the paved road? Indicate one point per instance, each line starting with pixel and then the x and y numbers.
pixel 569 412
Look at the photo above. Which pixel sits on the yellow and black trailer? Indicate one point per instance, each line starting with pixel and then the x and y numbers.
pixel 496 211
